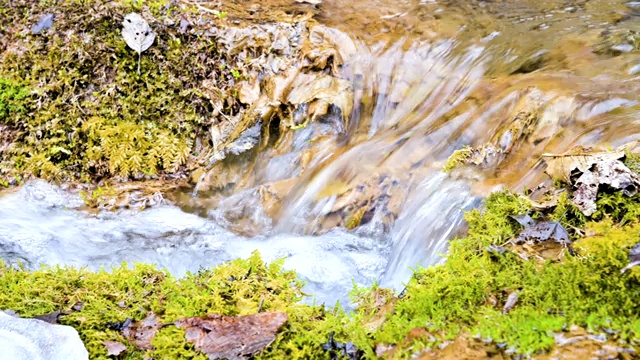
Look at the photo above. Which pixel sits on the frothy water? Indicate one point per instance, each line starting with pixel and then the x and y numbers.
pixel 40 225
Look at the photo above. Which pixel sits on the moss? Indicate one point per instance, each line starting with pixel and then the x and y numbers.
pixel 458 158
pixel 466 294
pixel 236 288
pixel 468 291
pixel 88 113
pixel 12 98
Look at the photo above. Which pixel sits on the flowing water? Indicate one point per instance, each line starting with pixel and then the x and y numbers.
pixel 428 77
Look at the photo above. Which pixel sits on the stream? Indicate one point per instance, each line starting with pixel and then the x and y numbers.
pixel 513 76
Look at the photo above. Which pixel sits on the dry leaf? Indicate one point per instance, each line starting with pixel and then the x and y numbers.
pixel 113 347
pixel 142 332
pixel 51 318
pixel 576 161
pixel 137 33
pixel 44 23
pixel 511 302
pixel 537 231
pixel 592 169
pixel 230 337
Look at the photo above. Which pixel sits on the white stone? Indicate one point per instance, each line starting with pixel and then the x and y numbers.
pixel 32 339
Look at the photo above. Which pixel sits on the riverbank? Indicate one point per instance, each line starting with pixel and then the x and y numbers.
pixel 493 298
pixel 324 149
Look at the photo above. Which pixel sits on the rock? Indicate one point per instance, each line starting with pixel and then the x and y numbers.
pixel 32 339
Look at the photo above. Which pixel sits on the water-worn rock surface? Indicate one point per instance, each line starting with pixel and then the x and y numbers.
pixel 32 339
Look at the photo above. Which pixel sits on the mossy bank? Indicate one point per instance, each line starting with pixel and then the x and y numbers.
pixel 581 290
pixel 74 108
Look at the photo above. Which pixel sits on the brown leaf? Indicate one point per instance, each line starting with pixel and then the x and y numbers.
pixel 231 337
pixel 142 332
pixel 578 159
pixel 114 348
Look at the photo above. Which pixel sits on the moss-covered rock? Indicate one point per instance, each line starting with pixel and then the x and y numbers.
pixel 76 105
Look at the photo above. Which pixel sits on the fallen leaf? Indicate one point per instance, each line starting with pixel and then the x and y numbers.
pixel 511 302
pixel 587 169
pixel 113 347
pixel 232 337
pixel 577 160
pixel 142 332
pixel 137 34
pixel 544 231
pixel 634 258
pixel 524 220
pixel 612 173
pixel 43 23
pixel 537 231
pixel 51 318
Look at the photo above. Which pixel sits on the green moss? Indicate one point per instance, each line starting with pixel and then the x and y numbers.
pixel 12 99
pixel 236 288
pixel 587 289
pixel 81 110
pixel 458 158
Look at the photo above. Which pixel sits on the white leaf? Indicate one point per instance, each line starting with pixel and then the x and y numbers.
pixel 137 33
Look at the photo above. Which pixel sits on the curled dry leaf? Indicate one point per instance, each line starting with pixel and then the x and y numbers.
pixel 51 318
pixel 137 34
pixel 577 161
pixel 511 302
pixel 537 231
pixel 114 348
pixel 231 337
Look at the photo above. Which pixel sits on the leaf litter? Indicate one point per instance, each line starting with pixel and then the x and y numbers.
pixel 218 336
pixel 142 332
pixel 587 169
pixel 542 239
pixel 231 337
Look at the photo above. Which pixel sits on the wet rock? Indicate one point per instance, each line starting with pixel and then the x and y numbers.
pixel 31 339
